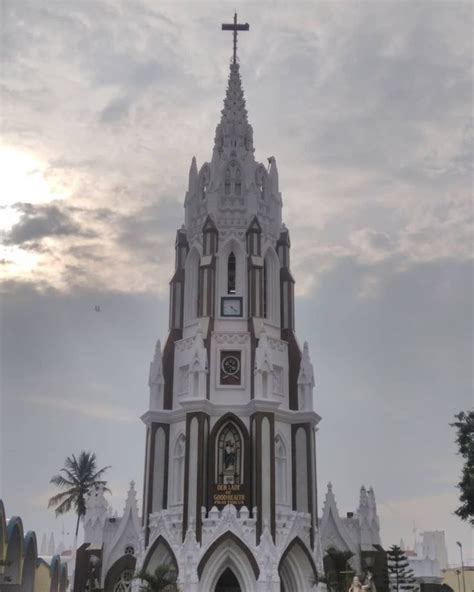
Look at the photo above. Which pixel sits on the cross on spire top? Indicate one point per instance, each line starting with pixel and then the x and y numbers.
pixel 235 27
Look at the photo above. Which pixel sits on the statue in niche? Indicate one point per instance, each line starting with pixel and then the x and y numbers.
pixel 229 457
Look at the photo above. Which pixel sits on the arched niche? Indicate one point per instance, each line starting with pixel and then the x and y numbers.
pixel 232 247
pixel 229 419
pixel 228 552
pixel 159 553
pixel 119 578
pixel 29 563
pixel 204 180
pixel 191 286
pixel 227 581
pixel 233 180
pixel 297 569
pixel 14 554
pixel 282 471
pixel 261 181
pixel 271 286
pixel 179 456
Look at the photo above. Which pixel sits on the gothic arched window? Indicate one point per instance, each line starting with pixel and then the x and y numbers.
pixel 204 181
pixel 229 455
pixel 281 472
pixel 265 289
pixel 178 468
pixel 231 273
pixel 233 179
pixel 260 181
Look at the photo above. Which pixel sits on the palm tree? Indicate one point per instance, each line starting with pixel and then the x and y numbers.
pixel 163 579
pixel 77 477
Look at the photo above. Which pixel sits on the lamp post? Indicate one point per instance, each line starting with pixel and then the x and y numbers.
pixel 459 581
pixel 462 567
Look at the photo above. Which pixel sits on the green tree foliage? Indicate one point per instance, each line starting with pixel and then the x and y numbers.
pixel 465 442
pixel 77 478
pixel 338 571
pixel 163 579
pixel 401 577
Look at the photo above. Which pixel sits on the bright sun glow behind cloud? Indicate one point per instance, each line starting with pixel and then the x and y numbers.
pixel 24 178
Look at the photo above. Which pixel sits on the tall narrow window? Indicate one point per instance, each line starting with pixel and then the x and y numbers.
pixel 238 182
pixel 281 471
pixel 233 180
pixel 231 274
pixel 265 289
pixel 227 182
pixel 178 467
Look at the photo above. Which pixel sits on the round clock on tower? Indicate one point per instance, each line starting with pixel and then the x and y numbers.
pixel 230 471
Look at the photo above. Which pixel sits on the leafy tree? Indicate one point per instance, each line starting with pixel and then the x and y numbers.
pixel 77 477
pixel 465 442
pixel 338 571
pixel 163 579
pixel 400 575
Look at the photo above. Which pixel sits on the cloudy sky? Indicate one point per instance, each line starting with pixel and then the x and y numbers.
pixel 367 108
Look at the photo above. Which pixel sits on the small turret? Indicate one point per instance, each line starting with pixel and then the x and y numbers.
pixel 305 381
pixel 193 176
pixel 95 516
pixel 156 381
pixel 273 180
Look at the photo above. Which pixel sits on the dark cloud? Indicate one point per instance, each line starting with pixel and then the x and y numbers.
pixel 115 110
pixel 42 221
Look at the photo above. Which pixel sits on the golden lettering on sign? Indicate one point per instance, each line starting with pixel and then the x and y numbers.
pixel 228 494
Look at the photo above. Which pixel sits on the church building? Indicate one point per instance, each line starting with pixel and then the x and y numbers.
pixel 230 489
pixel 230 492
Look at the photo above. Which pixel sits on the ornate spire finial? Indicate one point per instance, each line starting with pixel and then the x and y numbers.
pixel 235 27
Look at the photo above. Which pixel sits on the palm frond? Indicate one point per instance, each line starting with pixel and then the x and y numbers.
pixel 99 474
pixel 60 481
pixel 78 475
pixel 59 497
pixel 163 579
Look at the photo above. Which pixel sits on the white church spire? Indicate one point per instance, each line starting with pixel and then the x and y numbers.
pixel 234 134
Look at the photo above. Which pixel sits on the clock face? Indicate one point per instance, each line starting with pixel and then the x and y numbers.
pixel 231 306
pixel 230 371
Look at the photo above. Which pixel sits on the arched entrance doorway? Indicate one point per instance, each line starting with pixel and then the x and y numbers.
pixel 228 582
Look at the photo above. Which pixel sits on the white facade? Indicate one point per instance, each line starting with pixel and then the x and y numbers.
pixel 358 532
pixel 230 478
pixel 429 558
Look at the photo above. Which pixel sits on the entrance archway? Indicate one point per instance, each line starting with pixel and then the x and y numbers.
pixel 228 582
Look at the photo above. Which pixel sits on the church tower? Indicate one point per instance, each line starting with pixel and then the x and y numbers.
pixel 230 492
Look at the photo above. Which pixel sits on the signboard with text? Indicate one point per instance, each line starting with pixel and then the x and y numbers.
pixel 228 493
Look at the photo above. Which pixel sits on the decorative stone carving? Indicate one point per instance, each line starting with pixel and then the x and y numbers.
pixel 231 338
pixel 306 381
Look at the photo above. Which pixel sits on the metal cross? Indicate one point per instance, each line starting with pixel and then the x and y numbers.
pixel 235 27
